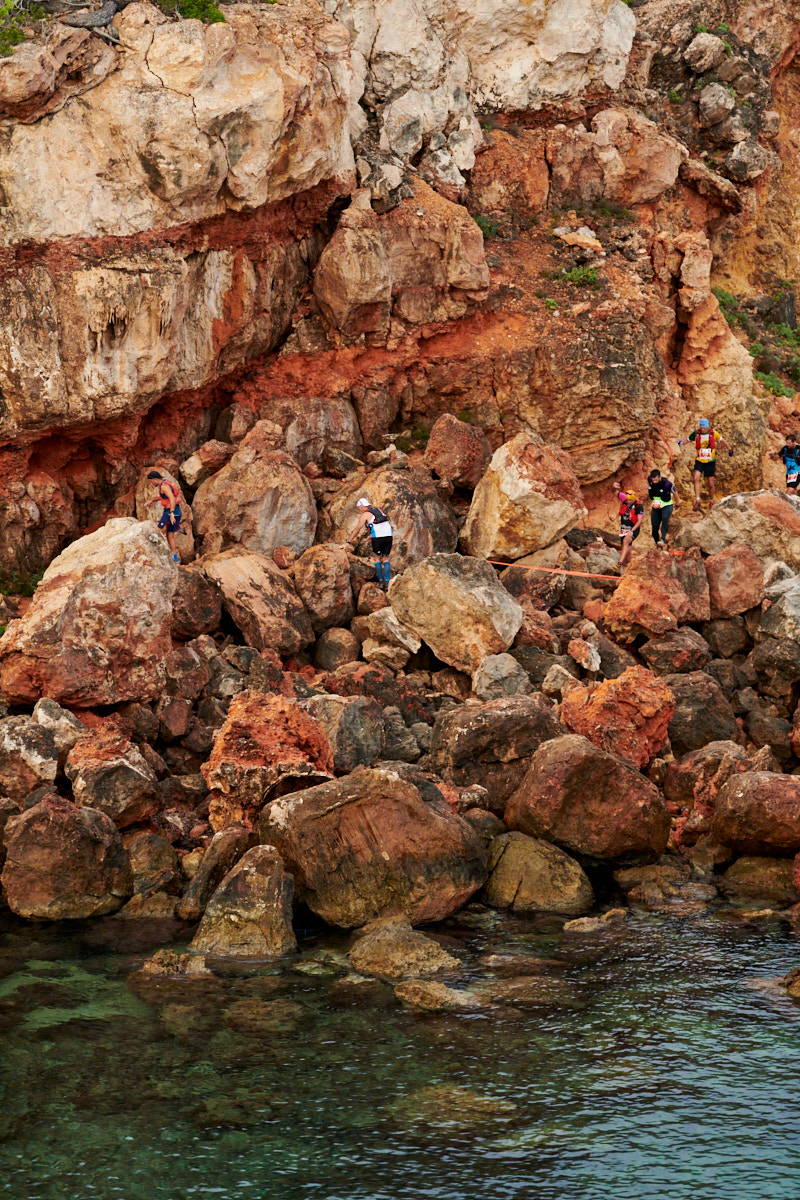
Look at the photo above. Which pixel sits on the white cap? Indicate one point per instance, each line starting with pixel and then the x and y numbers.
pixel 362 503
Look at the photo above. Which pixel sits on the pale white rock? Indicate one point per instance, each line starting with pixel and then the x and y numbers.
pixel 766 521
pixel 97 630
pixel 66 729
pixel 528 498
pixel 500 675
pixel 457 606
pixel 704 52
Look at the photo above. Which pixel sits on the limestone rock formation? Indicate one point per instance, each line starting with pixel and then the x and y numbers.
pixel 266 742
pixel 250 914
pixel 457 452
pixel 260 500
pixel 629 716
pixel 527 876
pixel 528 499
pixel 64 863
pixel 375 845
pixel 766 521
pixel 109 773
pixel 260 599
pixel 590 803
pixel 97 630
pixel 457 607
pixel 28 756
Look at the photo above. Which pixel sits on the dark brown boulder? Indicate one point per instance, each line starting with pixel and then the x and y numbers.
pixel 759 813
pixel 64 862
pixel 109 773
pixel 250 913
pixel 676 653
pixel 375 845
pixel 591 803
pixel 223 852
pixel 702 713
pixel 492 744
pixel 196 605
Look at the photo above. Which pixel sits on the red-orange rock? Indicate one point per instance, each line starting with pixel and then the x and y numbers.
pixel 536 628
pixel 735 580
pixel 64 862
pixel 109 773
pixel 694 781
pixel 266 743
pixel 196 605
pixel 680 578
pixel 628 716
pixel 457 451
pixel 371 846
pixel 591 803
pixel 638 607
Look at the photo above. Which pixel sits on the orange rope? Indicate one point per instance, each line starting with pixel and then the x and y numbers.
pixel 554 570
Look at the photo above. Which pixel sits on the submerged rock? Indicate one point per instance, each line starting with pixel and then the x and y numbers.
pixel 390 949
pixel 430 996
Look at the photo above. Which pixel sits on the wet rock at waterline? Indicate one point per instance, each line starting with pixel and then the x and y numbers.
pixel 374 845
pixel 390 949
pixel 64 862
pixel 527 875
pixel 250 913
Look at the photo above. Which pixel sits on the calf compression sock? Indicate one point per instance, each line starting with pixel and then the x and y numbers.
pixel 379 572
pixel 387 571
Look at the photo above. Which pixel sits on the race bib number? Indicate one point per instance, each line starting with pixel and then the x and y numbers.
pixel 704 454
pixel 658 502
pixel 791 478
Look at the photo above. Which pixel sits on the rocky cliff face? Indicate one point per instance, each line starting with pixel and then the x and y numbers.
pixel 277 211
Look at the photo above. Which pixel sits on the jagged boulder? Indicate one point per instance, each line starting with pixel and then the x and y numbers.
pixel 528 498
pixel 97 630
pixel 222 853
pixel 638 607
pixel 458 608
pixel 261 600
pixel 681 581
pixel 266 744
pixel 354 727
pixel 693 782
pixel 702 712
pixel 64 862
pixel 110 774
pixel 196 605
pixel 590 803
pixel 250 913
pixel 375 845
pixel 735 580
pixel 628 716
pixel 766 521
pixel 65 728
pixel 492 744
pixel 28 756
pixel 259 500
pixel 457 451
pixel 527 875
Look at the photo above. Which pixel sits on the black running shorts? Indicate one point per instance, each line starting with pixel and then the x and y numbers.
pixel 382 545
pixel 706 468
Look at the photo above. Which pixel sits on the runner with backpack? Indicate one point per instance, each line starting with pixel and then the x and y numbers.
pixel 790 457
pixel 170 521
pixel 706 440
pixel 631 515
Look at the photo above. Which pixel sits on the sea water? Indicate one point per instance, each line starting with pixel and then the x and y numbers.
pixel 669 1070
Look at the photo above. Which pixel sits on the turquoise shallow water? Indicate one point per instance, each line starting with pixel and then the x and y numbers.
pixel 665 1074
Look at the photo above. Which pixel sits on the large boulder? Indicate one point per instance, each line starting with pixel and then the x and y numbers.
pixel 259 500
pixel 423 523
pixel 682 581
pixel 759 813
pixel 267 745
pixel 492 744
pixel 64 862
pixel 677 652
pixel 628 716
pixel 375 845
pixel 735 580
pixel 458 608
pixel 261 600
pixel 110 774
pixel 196 605
pixel 590 803
pixel 782 618
pixel 768 880
pixel 766 521
pixel 702 713
pixel 322 580
pixel 528 876
pixel 638 607
pixel 694 781
pixel 457 451
pixel 528 499
pixel 354 727
pixel 250 913
pixel 28 757
pixel 97 629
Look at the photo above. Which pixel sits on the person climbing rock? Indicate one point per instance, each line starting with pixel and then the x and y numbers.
pixel 170 520
pixel 381 533
pixel 662 496
pixel 706 440
pixel 631 515
pixel 789 455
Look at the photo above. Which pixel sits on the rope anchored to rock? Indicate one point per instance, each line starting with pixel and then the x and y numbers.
pixel 554 570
